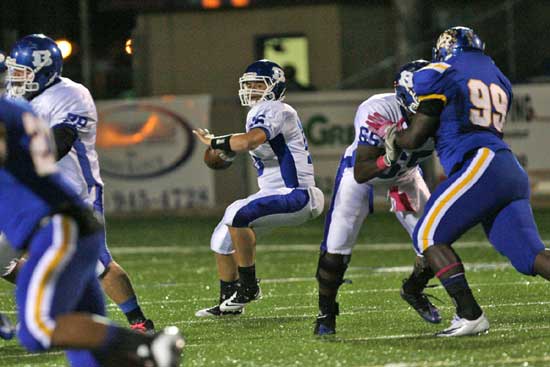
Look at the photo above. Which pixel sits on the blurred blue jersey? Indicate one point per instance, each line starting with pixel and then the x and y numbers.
pixel 30 187
pixel 477 97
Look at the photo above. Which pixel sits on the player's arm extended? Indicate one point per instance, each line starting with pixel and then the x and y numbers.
pixel 64 136
pixel 235 142
pixel 423 125
pixel 248 141
pixel 365 166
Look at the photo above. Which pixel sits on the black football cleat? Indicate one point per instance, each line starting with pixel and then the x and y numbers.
pixel 242 297
pixel 421 304
pixel 325 324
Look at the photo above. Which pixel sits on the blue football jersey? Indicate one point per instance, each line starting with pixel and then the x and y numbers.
pixel 477 97
pixel 30 186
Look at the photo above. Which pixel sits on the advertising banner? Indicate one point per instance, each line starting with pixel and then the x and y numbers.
pixel 148 155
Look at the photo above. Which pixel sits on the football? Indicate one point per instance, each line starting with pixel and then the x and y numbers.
pixel 217 159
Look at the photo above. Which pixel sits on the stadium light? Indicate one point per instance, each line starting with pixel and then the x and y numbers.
pixel 65 47
pixel 128 46
pixel 240 3
pixel 211 4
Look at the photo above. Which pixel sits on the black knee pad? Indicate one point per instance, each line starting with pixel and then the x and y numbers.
pixel 422 268
pixel 331 269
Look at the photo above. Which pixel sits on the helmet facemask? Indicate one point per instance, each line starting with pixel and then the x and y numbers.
pixel 19 79
pixel 406 96
pixel 250 96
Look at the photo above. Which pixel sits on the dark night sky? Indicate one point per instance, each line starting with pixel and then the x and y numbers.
pixel 60 18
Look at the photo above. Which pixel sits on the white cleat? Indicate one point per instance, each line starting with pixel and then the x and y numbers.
pixel 216 312
pixel 461 327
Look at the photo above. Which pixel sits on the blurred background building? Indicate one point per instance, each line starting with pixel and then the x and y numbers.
pixel 179 45
pixel 338 53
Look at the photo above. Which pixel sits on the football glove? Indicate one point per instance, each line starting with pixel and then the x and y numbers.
pixel 392 151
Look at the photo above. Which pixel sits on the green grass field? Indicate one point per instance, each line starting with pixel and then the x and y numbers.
pixel 174 274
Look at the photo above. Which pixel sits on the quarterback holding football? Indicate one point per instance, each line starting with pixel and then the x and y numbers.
pixel 278 147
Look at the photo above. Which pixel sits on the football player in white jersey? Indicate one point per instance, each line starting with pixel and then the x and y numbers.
pixel 365 169
pixel 276 142
pixel 34 73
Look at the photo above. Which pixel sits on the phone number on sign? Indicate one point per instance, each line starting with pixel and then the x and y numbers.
pixel 168 199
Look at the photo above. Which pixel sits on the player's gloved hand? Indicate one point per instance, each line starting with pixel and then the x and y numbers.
pixel 392 151
pixel 379 124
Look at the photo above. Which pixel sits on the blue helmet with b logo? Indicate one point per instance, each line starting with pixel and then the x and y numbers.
pixel 403 85
pixel 266 72
pixel 455 40
pixel 35 62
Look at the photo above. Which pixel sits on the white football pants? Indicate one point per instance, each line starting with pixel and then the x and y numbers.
pixel 352 202
pixel 267 209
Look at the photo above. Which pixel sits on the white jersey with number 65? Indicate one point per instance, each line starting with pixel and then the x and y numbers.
pixel 380 109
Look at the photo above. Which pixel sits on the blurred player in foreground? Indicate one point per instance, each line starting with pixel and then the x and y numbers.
pixel 363 171
pixel 7 330
pixel 58 296
pixel 464 99
pixel 276 142
pixel 34 73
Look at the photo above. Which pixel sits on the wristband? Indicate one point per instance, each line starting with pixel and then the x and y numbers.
pixel 381 163
pixel 221 142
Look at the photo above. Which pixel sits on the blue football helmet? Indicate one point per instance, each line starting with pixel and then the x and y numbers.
pixel 403 84
pixel 453 41
pixel 35 62
pixel 268 73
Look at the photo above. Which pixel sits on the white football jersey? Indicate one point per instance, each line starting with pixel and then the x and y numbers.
pixel 71 103
pixel 382 107
pixel 283 160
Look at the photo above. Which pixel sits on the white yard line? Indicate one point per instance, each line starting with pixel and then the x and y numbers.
pixel 30 355
pixel 398 269
pixel 402 336
pixel 378 337
pixel 129 250
pixel 366 272
pixel 175 249
pixel 364 310
pixel 449 363
pixel 479 266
